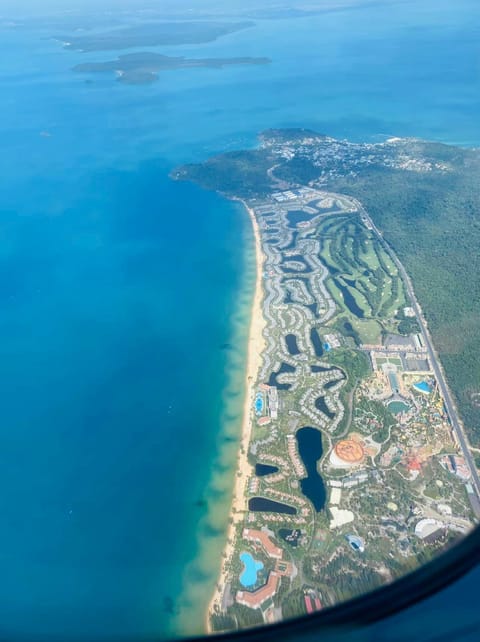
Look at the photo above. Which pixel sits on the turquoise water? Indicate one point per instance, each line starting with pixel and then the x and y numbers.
pixel 125 296
pixel 259 404
pixel 422 386
pixel 249 574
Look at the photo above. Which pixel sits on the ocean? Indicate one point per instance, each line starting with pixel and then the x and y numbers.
pixel 125 296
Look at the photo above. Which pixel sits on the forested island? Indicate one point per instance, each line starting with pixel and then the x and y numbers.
pixel 153 34
pixel 144 67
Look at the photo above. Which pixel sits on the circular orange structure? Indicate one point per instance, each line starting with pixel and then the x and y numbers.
pixel 350 451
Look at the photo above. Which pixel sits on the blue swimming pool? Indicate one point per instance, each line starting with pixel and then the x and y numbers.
pixel 250 571
pixel 422 386
pixel 259 403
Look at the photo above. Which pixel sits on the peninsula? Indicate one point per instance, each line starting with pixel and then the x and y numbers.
pixel 153 34
pixel 354 464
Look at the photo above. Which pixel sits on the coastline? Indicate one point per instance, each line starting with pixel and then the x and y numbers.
pixel 256 344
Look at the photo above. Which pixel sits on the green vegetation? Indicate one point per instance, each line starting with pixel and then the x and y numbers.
pixel 221 622
pixel 354 363
pixel 373 417
pixel 407 325
pixel 431 220
pixel 344 325
pixel 246 617
pixel 364 281
pixel 240 173
pixel 294 604
pixel 429 217
pixel 368 330
pixel 142 68
pixel 152 34
pixel 350 577
pixel 393 437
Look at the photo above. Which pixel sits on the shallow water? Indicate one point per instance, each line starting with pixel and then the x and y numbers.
pixel 125 297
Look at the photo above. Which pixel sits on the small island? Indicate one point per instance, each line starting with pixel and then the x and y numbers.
pixel 143 68
pixel 355 463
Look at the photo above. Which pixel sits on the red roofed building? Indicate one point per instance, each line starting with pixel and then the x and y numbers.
pixel 260 537
pixel 308 603
pixel 255 599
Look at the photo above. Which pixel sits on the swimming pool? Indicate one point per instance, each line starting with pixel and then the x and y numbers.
pixel 250 571
pixel 259 403
pixel 422 386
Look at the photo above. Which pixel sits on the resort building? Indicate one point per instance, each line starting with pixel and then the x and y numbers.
pixel 255 599
pixel 355 479
pixel 261 538
pixel 273 402
pixel 457 466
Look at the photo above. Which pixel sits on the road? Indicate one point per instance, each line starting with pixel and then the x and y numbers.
pixel 434 360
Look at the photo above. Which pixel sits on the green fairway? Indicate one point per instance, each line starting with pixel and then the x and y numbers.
pixel 369 330
pixel 361 268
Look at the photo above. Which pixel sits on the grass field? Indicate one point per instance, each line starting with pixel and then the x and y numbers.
pixel 363 280
pixel 369 330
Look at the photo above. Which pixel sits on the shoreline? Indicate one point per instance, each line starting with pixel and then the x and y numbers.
pixel 256 344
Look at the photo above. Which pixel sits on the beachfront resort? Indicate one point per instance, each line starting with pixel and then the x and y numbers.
pixel 354 468
pixel 359 452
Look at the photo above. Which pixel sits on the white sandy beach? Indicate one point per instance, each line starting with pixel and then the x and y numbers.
pixel 256 343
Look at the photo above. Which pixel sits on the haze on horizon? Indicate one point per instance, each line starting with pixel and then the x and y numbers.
pixel 26 8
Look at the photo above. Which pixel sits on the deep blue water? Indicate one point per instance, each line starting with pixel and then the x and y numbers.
pixel 265 469
pixel 310 449
pixel 349 300
pixel 118 287
pixel 270 506
pixel 317 343
pixel 292 346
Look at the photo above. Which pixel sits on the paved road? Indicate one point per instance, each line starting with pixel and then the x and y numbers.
pixel 434 360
